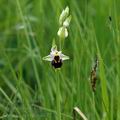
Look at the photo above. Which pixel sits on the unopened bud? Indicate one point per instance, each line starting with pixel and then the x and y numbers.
pixel 62 32
pixel 67 21
pixel 64 15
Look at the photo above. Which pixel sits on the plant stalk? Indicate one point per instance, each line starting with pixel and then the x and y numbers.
pixel 58 95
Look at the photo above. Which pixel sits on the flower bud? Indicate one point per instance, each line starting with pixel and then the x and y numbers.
pixel 54 46
pixel 67 21
pixel 62 32
pixel 63 15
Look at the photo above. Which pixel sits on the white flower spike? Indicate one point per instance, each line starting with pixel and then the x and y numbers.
pixel 64 21
pixel 56 58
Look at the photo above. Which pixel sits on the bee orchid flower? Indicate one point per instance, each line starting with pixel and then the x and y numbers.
pixel 56 58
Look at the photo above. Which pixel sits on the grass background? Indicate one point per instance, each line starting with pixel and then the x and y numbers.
pixel 28 84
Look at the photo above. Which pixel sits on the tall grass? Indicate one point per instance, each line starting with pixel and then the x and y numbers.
pixel 28 84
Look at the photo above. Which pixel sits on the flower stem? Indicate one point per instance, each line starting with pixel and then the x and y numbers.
pixel 61 43
pixel 58 95
pixel 93 104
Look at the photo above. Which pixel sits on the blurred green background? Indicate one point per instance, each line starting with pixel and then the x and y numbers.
pixel 28 84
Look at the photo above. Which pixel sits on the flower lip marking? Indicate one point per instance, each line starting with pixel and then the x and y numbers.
pixel 56 58
pixel 56 62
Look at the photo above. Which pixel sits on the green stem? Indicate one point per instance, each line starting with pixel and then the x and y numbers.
pixel 93 104
pixel 95 113
pixel 58 95
pixel 60 44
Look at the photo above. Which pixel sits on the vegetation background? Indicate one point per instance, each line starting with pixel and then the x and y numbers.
pixel 28 84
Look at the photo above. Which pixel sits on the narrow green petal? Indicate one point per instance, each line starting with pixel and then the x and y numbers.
pixel 64 57
pixel 47 58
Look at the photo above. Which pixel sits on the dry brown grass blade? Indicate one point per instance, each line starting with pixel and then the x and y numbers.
pixel 77 110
